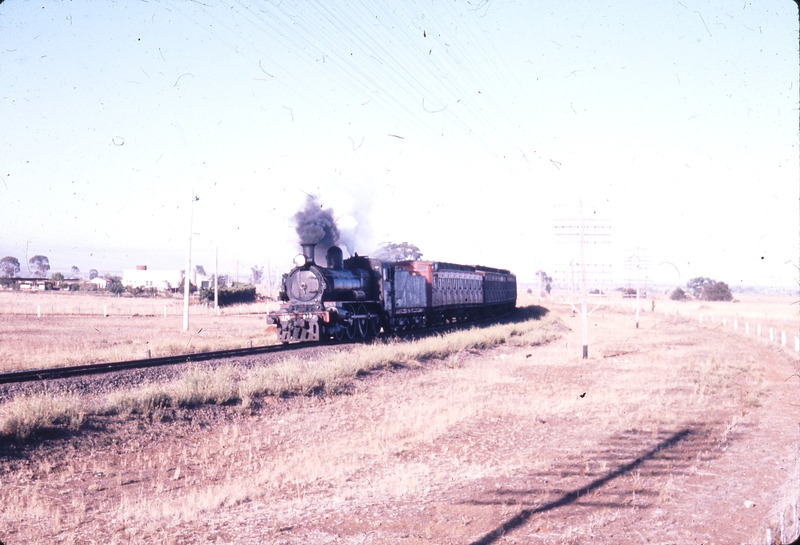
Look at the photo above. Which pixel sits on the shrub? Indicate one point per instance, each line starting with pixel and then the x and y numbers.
pixel 678 295
pixel 238 293
pixel 718 291
pixel 27 414
pixel 116 288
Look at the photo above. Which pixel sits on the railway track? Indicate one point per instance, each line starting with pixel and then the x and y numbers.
pixel 110 367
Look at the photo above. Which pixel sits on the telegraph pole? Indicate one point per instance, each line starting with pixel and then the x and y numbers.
pixel 186 280
pixel 599 232
pixel 584 294
pixel 642 260
pixel 216 280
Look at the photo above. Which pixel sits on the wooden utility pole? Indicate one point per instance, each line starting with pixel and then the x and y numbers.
pixel 186 279
pixel 599 232
pixel 216 280
pixel 584 294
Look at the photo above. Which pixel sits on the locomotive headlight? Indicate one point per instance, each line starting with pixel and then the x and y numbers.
pixel 299 260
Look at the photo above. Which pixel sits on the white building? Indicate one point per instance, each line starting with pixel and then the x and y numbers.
pixel 100 282
pixel 143 278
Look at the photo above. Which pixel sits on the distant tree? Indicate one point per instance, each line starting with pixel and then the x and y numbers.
pixel 75 270
pixel 678 295
pixel 389 251
pixel 57 277
pixel 709 289
pixel 92 274
pixel 696 285
pixel 717 291
pixel 40 265
pixel 199 269
pixel 543 276
pixel 115 285
pixel 258 272
pixel 9 266
pixel 192 287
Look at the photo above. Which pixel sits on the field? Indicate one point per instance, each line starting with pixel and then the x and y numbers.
pixel 680 431
pixel 53 329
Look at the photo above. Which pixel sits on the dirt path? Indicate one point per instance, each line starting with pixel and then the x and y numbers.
pixel 660 437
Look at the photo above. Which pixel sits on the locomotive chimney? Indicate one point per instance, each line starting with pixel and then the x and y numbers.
pixel 308 252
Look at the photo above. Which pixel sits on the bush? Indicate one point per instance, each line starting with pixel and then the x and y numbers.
pixel 718 291
pixel 238 293
pixel 116 288
pixel 678 295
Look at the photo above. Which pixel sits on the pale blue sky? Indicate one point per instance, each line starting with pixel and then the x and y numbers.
pixel 463 127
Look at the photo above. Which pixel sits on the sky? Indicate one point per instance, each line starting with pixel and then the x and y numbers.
pixel 472 129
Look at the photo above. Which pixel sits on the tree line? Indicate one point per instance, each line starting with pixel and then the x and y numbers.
pixel 38 267
pixel 705 289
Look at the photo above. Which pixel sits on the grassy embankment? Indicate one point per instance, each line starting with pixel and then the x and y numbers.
pixel 229 385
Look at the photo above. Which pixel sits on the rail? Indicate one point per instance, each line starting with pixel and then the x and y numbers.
pixel 110 367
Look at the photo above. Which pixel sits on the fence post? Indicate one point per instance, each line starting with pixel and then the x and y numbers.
pixel 759 330
pixel 724 321
pixel 105 311
pixel 165 311
pixel 783 528
pixel 735 324
pixel 783 338
pixel 747 328
pixel 38 311
pixel 701 318
pixel 796 343
pixel 771 335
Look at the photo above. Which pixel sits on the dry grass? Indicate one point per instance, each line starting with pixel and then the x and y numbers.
pixel 291 375
pixel 444 453
pixel 27 414
pixel 129 332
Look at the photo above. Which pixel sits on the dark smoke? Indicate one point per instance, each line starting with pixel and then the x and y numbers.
pixel 316 225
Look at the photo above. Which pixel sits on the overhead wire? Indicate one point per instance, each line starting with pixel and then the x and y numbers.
pixel 401 78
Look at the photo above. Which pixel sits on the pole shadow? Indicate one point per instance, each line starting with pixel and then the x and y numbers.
pixel 572 496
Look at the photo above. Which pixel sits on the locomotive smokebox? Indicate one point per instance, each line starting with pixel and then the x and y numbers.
pixel 308 252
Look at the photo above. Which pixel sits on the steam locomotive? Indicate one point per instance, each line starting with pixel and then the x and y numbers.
pixel 359 297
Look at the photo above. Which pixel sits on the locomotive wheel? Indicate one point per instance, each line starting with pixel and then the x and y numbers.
pixel 339 335
pixel 350 329
pixel 361 323
pixel 374 325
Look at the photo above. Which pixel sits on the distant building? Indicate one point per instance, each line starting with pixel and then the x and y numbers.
pixel 100 282
pixel 141 277
pixel 33 284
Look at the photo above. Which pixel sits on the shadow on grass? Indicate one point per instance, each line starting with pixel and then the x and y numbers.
pixel 13 448
pixel 517 316
pixel 664 453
